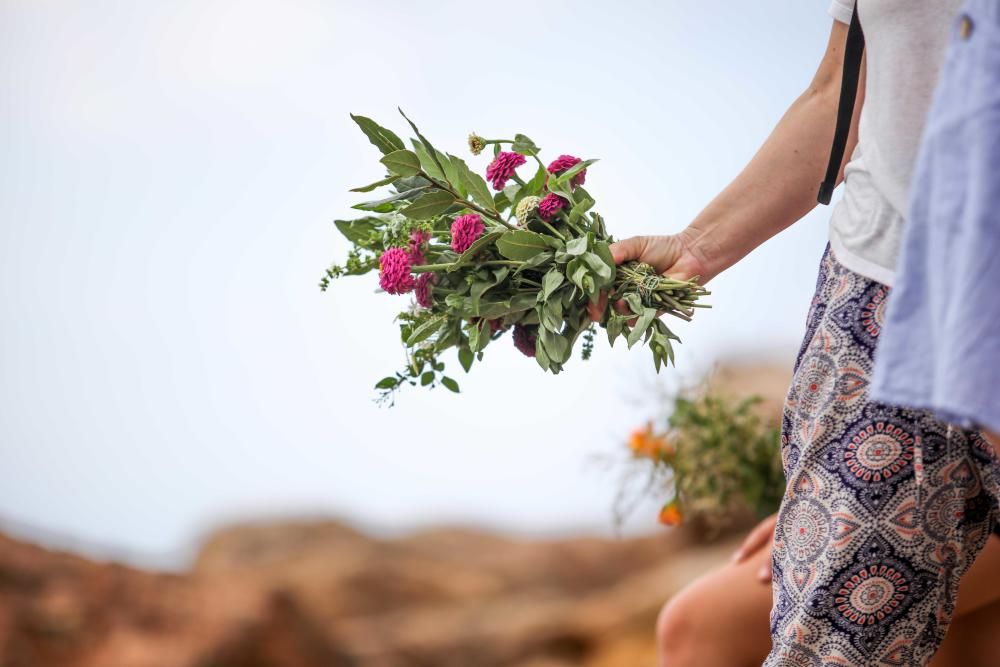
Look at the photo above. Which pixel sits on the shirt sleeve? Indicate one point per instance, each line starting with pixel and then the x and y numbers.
pixel 841 10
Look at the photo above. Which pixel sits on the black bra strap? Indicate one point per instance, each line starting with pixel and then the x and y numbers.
pixel 853 51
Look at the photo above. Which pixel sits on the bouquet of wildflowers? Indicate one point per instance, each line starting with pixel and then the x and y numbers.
pixel 526 257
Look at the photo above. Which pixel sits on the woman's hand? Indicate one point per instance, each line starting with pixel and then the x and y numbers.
pixel 761 537
pixel 669 255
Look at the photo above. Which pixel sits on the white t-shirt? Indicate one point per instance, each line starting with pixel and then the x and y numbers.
pixel 904 45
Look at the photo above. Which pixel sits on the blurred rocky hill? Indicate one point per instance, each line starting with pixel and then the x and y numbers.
pixel 321 594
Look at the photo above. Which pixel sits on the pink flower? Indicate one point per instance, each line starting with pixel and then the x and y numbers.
pixel 465 230
pixel 423 289
pixel 419 237
pixel 418 240
pixel 524 339
pixel 395 276
pixel 564 162
pixel 550 205
pixel 502 168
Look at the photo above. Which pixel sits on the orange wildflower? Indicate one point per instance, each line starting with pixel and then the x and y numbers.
pixel 639 441
pixel 670 514
pixel 644 443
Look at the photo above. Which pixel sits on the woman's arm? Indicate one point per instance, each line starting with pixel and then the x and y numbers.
pixel 774 190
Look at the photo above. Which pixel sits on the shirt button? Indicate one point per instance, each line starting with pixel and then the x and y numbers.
pixel 965 27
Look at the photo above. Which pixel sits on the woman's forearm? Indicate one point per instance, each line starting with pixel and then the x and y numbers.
pixel 780 183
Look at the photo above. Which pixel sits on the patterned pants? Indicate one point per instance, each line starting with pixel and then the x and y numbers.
pixel 885 507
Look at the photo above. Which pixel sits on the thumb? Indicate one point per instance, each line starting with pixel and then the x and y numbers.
pixel 629 249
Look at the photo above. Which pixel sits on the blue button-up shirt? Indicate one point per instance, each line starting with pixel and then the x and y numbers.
pixel 940 346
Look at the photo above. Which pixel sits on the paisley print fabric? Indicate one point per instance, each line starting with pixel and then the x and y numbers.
pixel 885 507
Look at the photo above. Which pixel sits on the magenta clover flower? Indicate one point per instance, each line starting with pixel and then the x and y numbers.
pixel 395 276
pixel 502 168
pixel 550 205
pixel 524 339
pixel 465 230
pixel 564 162
pixel 422 291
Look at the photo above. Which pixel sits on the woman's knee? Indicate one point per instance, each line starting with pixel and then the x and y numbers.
pixel 677 636
pixel 720 620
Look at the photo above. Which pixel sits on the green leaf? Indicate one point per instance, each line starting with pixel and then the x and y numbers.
pixel 465 357
pixel 521 245
pixel 474 183
pixel 535 185
pixel 410 183
pixel 429 205
pixel 385 205
pixel 387 382
pixel 524 145
pixel 599 228
pixel 551 282
pixel 634 303
pixel 426 378
pixel 430 147
pixel 451 173
pixel 562 188
pixel 477 340
pixel 374 206
pixel 536 262
pixel 472 250
pixel 567 175
pixel 383 139
pixel 447 337
pixel 523 301
pixel 579 272
pixel 480 287
pixel 402 162
pixel 511 191
pixel 647 317
pixel 427 162
pixel 501 202
pixel 556 346
pixel 576 270
pixel 579 209
pixel 551 315
pixel 357 231
pixel 450 384
pixel 541 356
pixel 426 330
pixel 598 266
pixel 614 328
pixel 577 246
pixel 603 251
pixel 377 184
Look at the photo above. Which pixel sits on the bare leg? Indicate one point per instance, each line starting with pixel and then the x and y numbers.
pixel 721 619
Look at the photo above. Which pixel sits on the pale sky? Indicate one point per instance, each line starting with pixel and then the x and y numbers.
pixel 169 172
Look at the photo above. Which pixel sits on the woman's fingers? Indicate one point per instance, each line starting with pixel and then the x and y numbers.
pixel 596 308
pixel 761 535
pixel 629 249
pixel 621 251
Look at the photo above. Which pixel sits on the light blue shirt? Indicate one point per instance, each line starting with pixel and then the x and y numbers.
pixel 940 346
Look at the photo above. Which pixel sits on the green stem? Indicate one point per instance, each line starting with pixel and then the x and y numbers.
pixel 426 268
pixel 553 230
pixel 465 202
pixel 511 141
pixel 501 262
